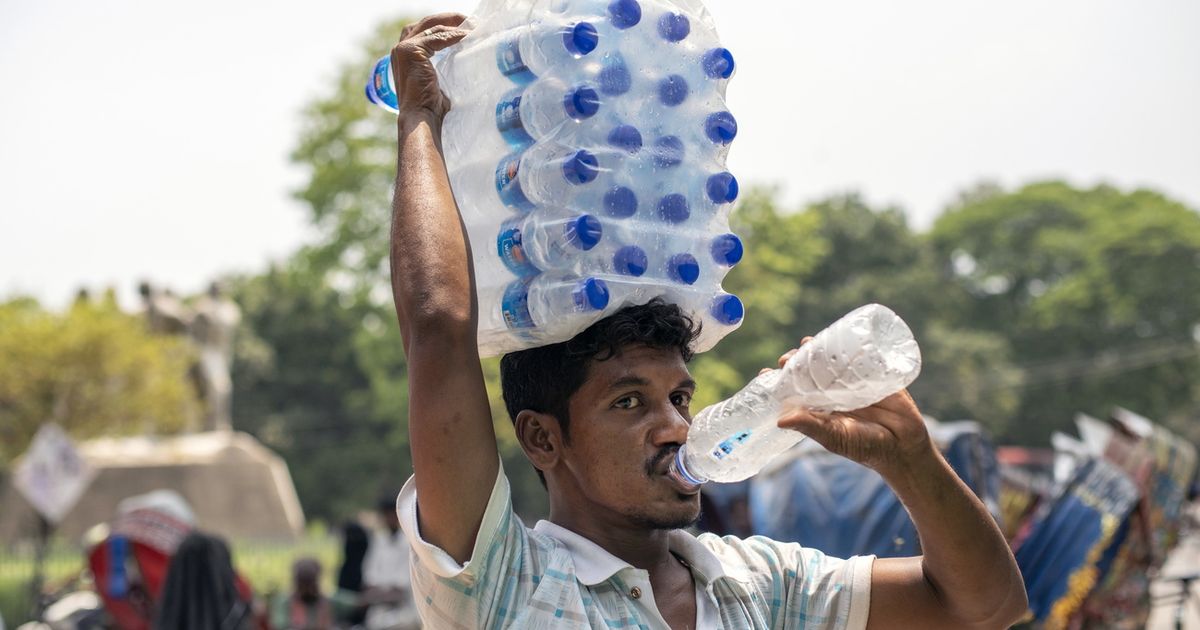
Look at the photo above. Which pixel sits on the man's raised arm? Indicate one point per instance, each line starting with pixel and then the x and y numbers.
pixel 966 578
pixel 450 426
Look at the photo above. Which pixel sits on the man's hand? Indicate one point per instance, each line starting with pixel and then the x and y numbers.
pixel 886 436
pixel 944 588
pixel 417 89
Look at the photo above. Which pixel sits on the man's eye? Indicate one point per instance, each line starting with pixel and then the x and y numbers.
pixel 681 399
pixel 628 402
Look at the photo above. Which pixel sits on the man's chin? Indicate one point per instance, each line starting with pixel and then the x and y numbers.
pixel 673 519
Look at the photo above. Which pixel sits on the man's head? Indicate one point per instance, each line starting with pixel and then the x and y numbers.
pixel 600 415
pixel 306 579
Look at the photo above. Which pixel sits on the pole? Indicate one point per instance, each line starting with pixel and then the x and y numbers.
pixel 37 606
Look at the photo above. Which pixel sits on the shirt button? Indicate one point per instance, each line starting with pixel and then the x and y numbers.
pixel 635 593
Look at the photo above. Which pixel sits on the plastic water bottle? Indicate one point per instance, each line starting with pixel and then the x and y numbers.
pixel 726 249
pixel 533 50
pixel 862 358
pixel 688 192
pixel 543 303
pixel 540 110
pixel 544 239
pixel 521 57
pixel 546 173
pixel 381 88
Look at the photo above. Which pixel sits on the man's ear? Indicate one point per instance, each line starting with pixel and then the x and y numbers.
pixel 540 436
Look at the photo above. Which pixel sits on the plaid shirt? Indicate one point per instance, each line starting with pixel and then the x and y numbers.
pixel 552 578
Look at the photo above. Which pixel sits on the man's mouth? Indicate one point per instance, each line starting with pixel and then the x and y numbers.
pixel 660 464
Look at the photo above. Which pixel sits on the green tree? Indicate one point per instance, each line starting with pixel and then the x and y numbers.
pixel 92 369
pixel 348 148
pixel 1096 290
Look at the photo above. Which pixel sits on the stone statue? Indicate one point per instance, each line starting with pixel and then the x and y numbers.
pixel 209 323
pixel 165 314
pixel 214 321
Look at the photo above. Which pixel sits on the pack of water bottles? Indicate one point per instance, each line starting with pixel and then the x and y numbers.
pixel 586 149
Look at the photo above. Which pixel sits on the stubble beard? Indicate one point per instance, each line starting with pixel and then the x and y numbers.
pixel 684 517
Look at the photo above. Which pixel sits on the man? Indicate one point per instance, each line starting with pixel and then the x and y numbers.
pixel 600 417
pixel 305 608
pixel 386 583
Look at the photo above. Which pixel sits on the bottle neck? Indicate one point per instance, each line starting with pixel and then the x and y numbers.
pixel 680 473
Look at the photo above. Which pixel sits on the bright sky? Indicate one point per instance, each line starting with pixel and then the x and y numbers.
pixel 151 139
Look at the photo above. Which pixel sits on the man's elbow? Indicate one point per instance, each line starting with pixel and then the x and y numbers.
pixel 1012 609
pixel 437 317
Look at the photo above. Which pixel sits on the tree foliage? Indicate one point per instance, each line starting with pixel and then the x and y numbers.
pixel 1097 292
pixel 92 369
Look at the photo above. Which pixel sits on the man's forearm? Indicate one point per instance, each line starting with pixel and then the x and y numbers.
pixel 430 256
pixel 967 561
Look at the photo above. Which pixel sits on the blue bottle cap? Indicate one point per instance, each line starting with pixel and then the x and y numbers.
pixel 626 137
pixel 720 127
pixel 620 202
pixel 722 188
pixel 614 78
pixel 581 39
pixel 625 13
pixel 674 27
pixel 583 231
pixel 668 152
pixel 590 294
pixel 581 168
pixel 672 90
pixel 718 63
pixel 727 309
pixel 630 261
pixel 727 249
pixel 581 102
pixel 683 268
pixel 673 208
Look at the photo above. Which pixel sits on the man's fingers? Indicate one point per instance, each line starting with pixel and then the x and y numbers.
pixel 430 21
pixel 429 41
pixel 787 355
pixel 835 431
pixel 441 36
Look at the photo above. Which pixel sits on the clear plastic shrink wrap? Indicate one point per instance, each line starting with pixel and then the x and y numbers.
pixel 586 148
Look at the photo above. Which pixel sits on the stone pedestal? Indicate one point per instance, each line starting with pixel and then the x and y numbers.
pixel 235 485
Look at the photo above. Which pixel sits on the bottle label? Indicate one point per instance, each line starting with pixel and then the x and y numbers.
pixel 508 183
pixel 514 306
pixel 728 445
pixel 508 120
pixel 510 62
pixel 380 84
pixel 511 249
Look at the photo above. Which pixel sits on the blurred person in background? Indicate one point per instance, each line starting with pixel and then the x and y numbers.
pixel 201 591
pixel 386 583
pixel 348 608
pixel 306 608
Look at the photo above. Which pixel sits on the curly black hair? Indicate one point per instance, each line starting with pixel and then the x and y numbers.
pixel 544 379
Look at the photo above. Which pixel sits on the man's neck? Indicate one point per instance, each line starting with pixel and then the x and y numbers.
pixel 643 548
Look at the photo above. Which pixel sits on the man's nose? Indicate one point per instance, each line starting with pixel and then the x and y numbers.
pixel 672 427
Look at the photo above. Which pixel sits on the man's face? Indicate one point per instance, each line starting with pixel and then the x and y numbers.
pixel 627 421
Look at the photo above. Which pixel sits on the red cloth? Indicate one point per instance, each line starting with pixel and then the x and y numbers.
pixel 150 540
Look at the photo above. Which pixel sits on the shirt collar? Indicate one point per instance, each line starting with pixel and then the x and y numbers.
pixel 593 564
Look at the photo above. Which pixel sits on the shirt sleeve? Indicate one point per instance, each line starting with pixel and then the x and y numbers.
pixel 485 587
